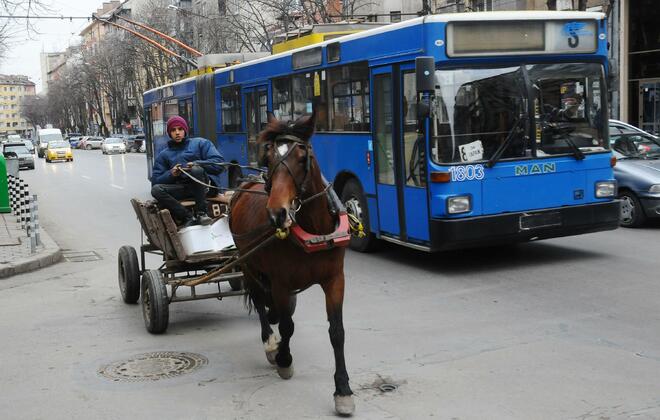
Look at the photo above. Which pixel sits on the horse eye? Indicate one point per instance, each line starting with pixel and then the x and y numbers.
pixel 268 146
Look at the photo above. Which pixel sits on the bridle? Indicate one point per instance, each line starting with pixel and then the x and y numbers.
pixel 292 142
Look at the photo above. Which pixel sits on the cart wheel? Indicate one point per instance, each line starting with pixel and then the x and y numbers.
pixel 155 303
pixel 129 274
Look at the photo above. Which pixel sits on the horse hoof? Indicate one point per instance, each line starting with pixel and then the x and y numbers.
pixel 285 372
pixel 270 347
pixel 344 405
pixel 270 355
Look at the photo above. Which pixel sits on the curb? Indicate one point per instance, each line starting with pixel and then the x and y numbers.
pixel 49 255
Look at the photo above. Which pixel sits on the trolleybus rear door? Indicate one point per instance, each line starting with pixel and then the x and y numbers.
pixel 400 183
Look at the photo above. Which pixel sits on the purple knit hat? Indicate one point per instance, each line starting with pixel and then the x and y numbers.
pixel 176 121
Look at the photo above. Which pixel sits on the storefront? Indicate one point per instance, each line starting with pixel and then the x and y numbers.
pixel 643 64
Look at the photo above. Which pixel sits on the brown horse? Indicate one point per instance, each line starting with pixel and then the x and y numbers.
pixel 293 195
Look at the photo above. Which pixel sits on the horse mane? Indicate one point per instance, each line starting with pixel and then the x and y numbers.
pixel 303 128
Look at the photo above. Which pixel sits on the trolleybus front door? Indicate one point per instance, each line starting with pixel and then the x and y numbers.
pixel 400 155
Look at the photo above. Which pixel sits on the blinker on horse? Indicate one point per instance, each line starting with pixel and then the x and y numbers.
pixel 294 196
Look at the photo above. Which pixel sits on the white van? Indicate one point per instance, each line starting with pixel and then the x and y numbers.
pixel 46 135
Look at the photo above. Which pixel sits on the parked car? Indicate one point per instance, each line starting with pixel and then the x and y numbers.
pixel 73 141
pixel 91 142
pixel 59 150
pixel 134 142
pixel 113 145
pixel 20 151
pixel 29 145
pixel 637 172
pixel 69 136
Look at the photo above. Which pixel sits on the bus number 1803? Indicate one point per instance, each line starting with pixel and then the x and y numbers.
pixel 467 172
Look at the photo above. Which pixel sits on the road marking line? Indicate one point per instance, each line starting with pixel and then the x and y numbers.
pixel 86 177
pixel 117 186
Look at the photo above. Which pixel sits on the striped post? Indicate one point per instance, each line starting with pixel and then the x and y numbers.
pixel 35 218
pixel 27 210
pixel 21 203
pixel 12 193
pixel 31 227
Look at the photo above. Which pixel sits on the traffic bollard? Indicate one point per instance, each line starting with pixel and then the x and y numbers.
pixel 27 210
pixel 21 203
pixel 32 230
pixel 35 217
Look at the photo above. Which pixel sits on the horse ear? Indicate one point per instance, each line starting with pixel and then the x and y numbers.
pixel 306 124
pixel 271 117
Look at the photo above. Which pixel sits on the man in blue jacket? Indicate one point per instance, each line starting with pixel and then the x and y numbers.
pixel 169 184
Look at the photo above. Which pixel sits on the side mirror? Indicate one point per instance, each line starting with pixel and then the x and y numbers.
pixel 425 74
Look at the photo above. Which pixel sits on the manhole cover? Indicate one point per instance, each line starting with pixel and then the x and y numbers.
pixel 80 256
pixel 153 366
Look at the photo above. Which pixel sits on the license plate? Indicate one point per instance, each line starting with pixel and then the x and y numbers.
pixel 541 220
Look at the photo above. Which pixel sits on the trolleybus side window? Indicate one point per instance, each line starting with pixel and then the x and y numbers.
pixel 282 99
pixel 309 92
pixel 186 111
pixel 231 109
pixel 348 87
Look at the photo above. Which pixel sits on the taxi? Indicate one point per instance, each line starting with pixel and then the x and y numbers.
pixel 59 150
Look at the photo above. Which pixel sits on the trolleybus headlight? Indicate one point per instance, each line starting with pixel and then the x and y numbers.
pixel 655 189
pixel 459 204
pixel 605 189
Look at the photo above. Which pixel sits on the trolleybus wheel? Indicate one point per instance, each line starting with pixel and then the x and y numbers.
pixel 353 198
pixel 129 274
pixel 155 303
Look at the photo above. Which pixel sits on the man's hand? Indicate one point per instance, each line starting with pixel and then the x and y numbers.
pixel 176 171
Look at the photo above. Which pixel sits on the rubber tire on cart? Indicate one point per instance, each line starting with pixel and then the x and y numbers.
pixel 129 274
pixel 636 215
pixel 155 303
pixel 353 198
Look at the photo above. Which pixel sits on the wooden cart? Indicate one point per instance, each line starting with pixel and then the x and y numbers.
pixel 177 271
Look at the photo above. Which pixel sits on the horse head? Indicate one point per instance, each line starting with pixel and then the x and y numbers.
pixel 286 151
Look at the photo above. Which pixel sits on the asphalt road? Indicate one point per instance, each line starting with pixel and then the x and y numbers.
pixel 559 329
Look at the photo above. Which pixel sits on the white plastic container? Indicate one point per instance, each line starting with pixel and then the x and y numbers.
pixel 215 237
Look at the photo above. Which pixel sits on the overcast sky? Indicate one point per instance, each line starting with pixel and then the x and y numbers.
pixel 54 35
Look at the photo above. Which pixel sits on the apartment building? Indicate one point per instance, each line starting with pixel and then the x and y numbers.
pixel 13 88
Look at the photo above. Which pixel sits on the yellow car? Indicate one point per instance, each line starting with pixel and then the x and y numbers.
pixel 59 150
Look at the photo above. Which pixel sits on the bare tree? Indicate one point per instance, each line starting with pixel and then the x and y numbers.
pixel 12 27
pixel 34 109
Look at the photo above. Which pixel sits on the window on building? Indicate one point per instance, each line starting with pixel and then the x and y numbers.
pixel 348 90
pixel 482 5
pixel 13 97
pixel 395 16
pixel 12 88
pixel 14 124
pixel 231 109
pixel 8 124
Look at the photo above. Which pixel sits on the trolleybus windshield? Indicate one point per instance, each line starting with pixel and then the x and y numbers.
pixel 477 109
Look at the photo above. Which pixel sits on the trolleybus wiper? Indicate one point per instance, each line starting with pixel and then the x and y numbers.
pixel 576 150
pixel 509 138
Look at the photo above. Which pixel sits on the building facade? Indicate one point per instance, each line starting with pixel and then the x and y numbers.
pixel 13 90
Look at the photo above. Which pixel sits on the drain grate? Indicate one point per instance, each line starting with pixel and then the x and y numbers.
pixel 387 387
pixel 80 256
pixel 153 366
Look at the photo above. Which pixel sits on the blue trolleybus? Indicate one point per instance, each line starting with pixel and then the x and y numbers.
pixel 441 132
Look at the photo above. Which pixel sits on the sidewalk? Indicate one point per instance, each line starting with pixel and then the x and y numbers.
pixel 15 255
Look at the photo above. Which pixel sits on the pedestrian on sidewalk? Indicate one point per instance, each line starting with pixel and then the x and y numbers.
pixel 199 158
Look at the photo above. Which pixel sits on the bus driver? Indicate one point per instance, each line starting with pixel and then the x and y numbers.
pixel 169 184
